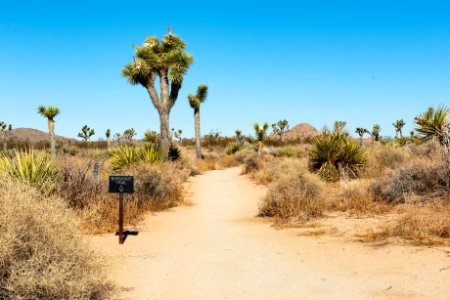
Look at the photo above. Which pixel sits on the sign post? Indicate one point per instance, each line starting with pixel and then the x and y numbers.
pixel 121 185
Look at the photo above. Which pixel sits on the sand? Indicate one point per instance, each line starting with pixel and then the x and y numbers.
pixel 217 248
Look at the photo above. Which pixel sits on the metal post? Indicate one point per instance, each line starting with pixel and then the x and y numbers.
pixel 121 219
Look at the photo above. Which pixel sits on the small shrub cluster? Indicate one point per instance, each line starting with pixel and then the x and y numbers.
pixel 296 197
pixel 232 147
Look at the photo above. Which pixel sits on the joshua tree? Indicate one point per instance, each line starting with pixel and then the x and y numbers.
pixel 195 102
pixel 361 131
pixel 280 127
pixel 117 136
pixel 108 137
pixel 129 134
pixel 86 133
pixel 4 128
pixel 411 134
pixel 176 134
pixel 376 132
pixel 167 60
pixel 261 132
pixel 398 127
pixel 50 113
pixel 239 136
pixel 339 126
pixel 435 123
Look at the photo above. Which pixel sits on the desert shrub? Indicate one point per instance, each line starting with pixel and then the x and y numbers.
pixel 252 163
pixel 286 151
pixel 334 156
pixel 42 251
pixel 272 169
pixel 421 179
pixel 33 168
pixel 297 197
pixel 217 162
pixel 356 196
pixel 429 149
pixel 126 156
pixel 232 147
pixel 387 156
pixel 81 183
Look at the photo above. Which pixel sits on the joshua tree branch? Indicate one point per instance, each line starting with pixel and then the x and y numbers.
pixel 174 89
pixel 152 91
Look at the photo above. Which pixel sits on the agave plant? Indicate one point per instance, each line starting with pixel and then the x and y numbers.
pixel 334 156
pixel 126 156
pixel 33 168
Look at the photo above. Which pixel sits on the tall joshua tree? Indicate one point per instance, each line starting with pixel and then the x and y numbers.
pixel 361 131
pixel 435 123
pixel 167 60
pixel 195 102
pixel 398 127
pixel 50 113
pixel 108 138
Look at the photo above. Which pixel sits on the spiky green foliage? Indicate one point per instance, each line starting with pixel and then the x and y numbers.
pixel 167 60
pixel 260 131
pixel 86 133
pixel 33 168
pixel 49 112
pixel 108 133
pixel 335 156
pixel 150 136
pixel 435 123
pixel 196 100
pixel 174 153
pixel 398 125
pixel 126 156
pixel 232 147
pixel 339 126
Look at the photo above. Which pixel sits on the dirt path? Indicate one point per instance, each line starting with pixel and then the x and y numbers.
pixel 217 249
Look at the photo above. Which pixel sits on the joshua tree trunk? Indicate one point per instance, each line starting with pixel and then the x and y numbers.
pixel 51 131
pixel 108 142
pixel 164 127
pixel 198 149
pixel 444 140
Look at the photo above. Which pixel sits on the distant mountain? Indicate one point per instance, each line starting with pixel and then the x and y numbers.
pixel 32 135
pixel 299 131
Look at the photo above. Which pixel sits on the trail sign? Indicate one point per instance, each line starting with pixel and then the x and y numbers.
pixel 121 184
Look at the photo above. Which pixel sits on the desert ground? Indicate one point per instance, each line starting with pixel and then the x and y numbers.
pixel 214 247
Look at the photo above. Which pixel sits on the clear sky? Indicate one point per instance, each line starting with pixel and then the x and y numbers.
pixel 364 62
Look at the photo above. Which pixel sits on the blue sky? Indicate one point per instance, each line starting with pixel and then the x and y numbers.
pixel 364 62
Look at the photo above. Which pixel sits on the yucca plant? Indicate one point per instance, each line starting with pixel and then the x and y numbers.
pixel 33 168
pixel 334 156
pixel 435 123
pixel 195 101
pixel 128 155
pixel 261 133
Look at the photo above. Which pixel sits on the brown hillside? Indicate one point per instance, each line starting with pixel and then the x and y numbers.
pixel 299 131
pixel 31 135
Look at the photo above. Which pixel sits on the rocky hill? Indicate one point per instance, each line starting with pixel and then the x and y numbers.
pixel 32 135
pixel 299 131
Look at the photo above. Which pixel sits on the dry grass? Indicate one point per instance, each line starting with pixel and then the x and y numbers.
pixel 42 251
pixel 294 197
pixel 217 162
pixel 418 226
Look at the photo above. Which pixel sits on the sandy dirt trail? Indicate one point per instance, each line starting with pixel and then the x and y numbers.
pixel 217 249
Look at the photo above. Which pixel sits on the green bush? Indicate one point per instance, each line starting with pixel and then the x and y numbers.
pixel 33 168
pixel 286 151
pixel 335 156
pixel 232 147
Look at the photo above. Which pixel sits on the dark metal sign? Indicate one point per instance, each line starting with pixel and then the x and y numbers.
pixel 121 184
